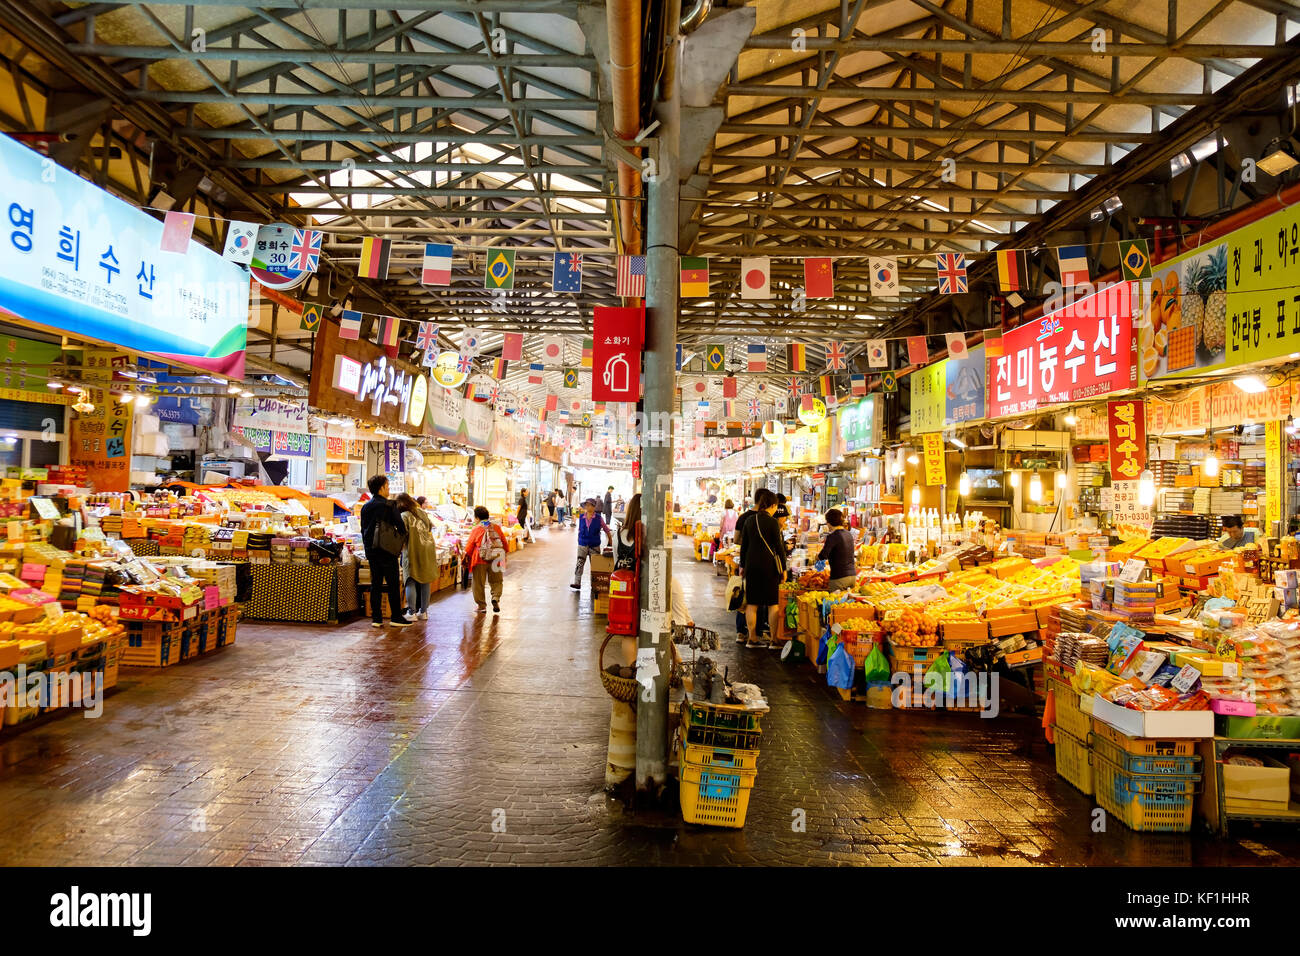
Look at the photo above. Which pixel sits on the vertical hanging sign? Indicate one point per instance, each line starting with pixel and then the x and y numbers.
pixel 934 470
pixel 1273 475
pixel 1127 432
pixel 616 354
pixel 395 466
pixel 101 439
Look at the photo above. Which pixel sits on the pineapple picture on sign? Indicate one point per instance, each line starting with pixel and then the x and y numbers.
pixel 1188 314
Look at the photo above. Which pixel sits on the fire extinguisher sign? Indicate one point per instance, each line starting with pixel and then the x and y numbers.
pixel 616 354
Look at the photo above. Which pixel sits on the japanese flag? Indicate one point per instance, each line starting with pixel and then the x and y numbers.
pixel 553 348
pixel 956 345
pixel 756 278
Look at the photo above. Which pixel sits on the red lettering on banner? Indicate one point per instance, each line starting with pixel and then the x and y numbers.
pixel 1084 350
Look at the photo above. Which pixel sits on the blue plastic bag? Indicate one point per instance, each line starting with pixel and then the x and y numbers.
pixel 839 672
pixel 822 647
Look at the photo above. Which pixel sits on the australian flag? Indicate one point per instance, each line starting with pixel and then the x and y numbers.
pixel 566 276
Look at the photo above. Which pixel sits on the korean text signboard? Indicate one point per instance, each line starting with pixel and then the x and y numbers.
pixel 1230 303
pixel 857 424
pixel 1084 350
pixel 1129 515
pixel 76 259
pixel 358 380
pixel 964 393
pixel 1128 439
pixel 934 465
pixel 286 444
pixel 24 366
pixel 616 354
pixel 1192 409
pixel 100 441
pixel 929 392
pixel 1273 474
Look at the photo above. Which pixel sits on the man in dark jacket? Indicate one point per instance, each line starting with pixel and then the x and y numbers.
pixel 384 567
pixel 609 505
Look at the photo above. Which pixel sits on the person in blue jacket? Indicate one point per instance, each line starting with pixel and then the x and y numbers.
pixel 590 525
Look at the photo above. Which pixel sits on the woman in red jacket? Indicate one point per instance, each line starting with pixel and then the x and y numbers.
pixel 486 555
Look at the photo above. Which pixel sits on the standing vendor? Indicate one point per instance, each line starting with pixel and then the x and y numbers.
pixel 1234 535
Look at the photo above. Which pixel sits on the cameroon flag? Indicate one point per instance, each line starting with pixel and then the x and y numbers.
pixel 695 277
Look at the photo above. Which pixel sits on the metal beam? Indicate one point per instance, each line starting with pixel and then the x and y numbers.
pixel 403 101
pixel 332 55
pixel 960 47
pixel 894 94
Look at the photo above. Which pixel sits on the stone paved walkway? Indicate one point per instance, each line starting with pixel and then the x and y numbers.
pixel 348 745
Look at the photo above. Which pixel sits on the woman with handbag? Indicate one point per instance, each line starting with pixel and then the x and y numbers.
pixel 420 559
pixel 762 556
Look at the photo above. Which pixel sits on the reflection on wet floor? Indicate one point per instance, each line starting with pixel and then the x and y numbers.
pixel 480 738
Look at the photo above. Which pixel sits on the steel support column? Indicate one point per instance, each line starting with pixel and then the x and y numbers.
pixel 657 431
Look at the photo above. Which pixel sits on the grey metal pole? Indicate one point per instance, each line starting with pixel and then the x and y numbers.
pixel 662 275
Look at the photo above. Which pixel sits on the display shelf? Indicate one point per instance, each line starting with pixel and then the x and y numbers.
pixel 1223 744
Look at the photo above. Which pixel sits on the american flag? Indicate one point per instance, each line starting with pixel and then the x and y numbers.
pixel 427 338
pixel 835 356
pixel 631 277
pixel 795 388
pixel 306 249
pixel 952 273
pixel 464 362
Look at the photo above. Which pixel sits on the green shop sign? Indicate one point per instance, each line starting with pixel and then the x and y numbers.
pixel 858 425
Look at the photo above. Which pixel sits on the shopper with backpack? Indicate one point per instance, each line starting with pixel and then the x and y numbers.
pixel 420 559
pixel 486 555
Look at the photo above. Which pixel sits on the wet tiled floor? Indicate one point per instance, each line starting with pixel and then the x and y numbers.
pixel 475 740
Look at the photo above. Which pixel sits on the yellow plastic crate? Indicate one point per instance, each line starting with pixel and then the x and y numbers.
pixel 718 798
pixel 1074 761
pixel 1143 746
pixel 1068 715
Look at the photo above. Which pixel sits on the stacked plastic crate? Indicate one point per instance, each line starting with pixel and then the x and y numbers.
pixel 717 758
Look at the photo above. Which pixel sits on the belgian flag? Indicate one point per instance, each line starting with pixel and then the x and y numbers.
pixel 797 355
pixel 374 258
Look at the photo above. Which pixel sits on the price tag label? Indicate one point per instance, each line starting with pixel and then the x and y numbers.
pixel 1132 572
pixel 53 610
pixel 1185 679
pixel 46 509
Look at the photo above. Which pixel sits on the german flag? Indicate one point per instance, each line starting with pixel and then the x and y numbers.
pixel 499 369
pixel 993 343
pixel 827 384
pixel 798 357
pixel 374 258
pixel 1011 270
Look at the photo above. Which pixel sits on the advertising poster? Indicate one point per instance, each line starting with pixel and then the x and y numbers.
pixel 78 260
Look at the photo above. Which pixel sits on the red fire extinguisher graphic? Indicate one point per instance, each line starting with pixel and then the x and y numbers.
pixel 617 373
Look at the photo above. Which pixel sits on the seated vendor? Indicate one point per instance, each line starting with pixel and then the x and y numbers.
pixel 1234 535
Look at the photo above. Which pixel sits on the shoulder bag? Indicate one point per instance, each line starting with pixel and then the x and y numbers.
pixel 780 565
pixel 388 538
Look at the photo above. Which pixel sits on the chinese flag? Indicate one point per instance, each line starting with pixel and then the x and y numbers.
pixel 512 346
pixel 729 387
pixel 818 279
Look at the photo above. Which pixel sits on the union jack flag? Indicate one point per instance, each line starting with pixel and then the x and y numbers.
pixel 464 362
pixel 494 394
pixel 427 338
pixel 835 356
pixel 755 408
pixel 952 273
pixel 795 388
pixel 306 249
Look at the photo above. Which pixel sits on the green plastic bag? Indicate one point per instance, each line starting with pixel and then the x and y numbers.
pixel 943 669
pixel 876 667
pixel 792 614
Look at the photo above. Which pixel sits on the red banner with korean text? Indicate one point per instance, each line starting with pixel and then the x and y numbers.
pixel 1128 439
pixel 616 354
pixel 1083 350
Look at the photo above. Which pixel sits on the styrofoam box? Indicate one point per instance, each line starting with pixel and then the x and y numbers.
pixel 1162 724
pixel 147 424
pixel 183 443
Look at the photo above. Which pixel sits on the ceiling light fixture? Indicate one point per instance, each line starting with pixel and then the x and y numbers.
pixel 1277 159
pixel 1250 384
